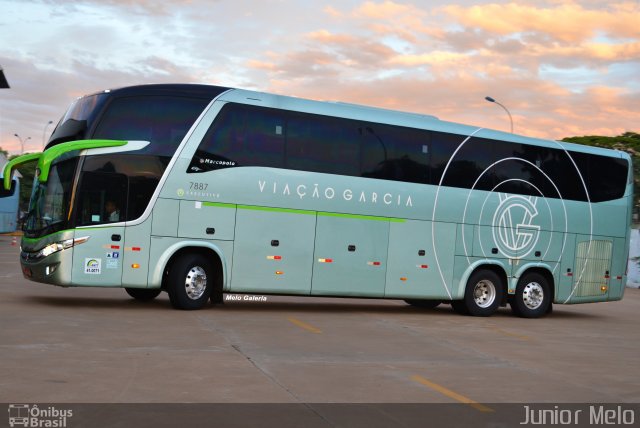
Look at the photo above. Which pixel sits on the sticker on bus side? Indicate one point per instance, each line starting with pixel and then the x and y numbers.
pixel 92 266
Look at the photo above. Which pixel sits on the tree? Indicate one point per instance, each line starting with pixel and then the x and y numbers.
pixel 4 152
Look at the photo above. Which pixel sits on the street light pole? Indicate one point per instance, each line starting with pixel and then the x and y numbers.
pixel 491 100
pixel 22 142
pixel 44 132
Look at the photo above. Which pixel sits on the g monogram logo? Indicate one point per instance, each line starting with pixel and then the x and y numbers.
pixel 513 230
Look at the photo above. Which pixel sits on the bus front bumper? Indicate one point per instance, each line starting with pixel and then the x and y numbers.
pixel 53 269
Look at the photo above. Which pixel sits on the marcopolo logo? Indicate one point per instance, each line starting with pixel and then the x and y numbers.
pixel 25 415
pixel 514 231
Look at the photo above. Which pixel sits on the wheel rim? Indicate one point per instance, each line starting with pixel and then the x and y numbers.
pixel 533 295
pixel 484 293
pixel 195 282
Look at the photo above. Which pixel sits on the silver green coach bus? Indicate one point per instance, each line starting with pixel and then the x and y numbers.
pixel 202 190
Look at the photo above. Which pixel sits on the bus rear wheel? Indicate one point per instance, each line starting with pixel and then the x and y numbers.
pixel 482 296
pixel 143 294
pixel 533 296
pixel 423 303
pixel 190 281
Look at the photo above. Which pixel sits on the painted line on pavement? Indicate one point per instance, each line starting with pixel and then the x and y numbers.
pixel 304 325
pixel 451 394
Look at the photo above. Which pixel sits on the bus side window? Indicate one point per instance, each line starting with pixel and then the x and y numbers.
pixel 607 178
pixel 262 137
pixel 514 173
pixel 102 198
pixel 323 144
pixel 241 135
pixel 394 153
pixel 443 146
pixel 374 154
pixel 559 168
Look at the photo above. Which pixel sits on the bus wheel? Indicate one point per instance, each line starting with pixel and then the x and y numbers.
pixel 143 294
pixel 190 282
pixel 482 296
pixel 533 296
pixel 423 303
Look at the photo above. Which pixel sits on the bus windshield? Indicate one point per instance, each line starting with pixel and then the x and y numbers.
pixel 159 114
pixel 51 201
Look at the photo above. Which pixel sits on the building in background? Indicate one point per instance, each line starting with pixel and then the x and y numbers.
pixel 9 202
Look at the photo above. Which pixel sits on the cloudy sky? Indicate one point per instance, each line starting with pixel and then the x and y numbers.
pixel 563 68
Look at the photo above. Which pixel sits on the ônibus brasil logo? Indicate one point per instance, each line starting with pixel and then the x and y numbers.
pixel 514 232
pixel 26 415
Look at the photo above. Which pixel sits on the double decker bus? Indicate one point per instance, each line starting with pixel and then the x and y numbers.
pixel 202 190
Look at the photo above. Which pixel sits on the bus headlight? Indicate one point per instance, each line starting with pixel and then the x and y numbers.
pixel 59 246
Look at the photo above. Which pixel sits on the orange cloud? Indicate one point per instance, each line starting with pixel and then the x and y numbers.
pixel 325 36
pixel 261 65
pixel 333 12
pixel 385 10
pixel 431 58
pixel 405 21
pixel 566 22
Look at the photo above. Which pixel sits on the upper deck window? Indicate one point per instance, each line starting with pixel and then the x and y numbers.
pixel 161 120
pixel 244 135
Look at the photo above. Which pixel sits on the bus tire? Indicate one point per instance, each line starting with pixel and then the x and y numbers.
pixel 533 296
pixel 143 294
pixel 423 303
pixel 482 295
pixel 190 281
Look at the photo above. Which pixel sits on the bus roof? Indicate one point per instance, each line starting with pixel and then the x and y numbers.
pixel 187 89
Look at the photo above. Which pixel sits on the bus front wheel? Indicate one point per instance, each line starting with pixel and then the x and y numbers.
pixel 482 296
pixel 533 296
pixel 190 281
pixel 143 294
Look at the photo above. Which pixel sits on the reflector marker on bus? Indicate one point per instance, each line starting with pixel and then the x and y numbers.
pixel 111 247
pixel 135 265
pixel 619 277
pixel 373 263
pixel 325 260
pixel 133 249
pixel 274 257
pixel 403 278
pixel 422 266
pixel 279 272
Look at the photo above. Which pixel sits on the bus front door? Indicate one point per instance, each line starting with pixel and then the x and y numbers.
pixel 101 211
pixel 98 261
